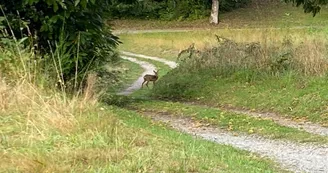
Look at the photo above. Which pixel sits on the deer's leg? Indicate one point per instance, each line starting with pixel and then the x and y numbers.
pixel 143 83
pixel 154 82
pixel 147 84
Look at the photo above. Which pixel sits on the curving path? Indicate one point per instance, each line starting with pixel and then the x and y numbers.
pixel 290 156
pixel 148 69
pixel 306 126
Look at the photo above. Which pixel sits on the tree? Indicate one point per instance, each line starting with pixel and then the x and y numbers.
pixel 309 6
pixel 214 18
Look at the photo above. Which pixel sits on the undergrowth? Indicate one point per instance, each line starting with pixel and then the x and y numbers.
pixel 287 78
pixel 44 129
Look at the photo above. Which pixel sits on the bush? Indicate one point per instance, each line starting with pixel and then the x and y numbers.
pixel 72 32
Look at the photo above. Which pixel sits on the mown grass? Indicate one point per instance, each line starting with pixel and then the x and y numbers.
pixel 42 132
pixel 230 121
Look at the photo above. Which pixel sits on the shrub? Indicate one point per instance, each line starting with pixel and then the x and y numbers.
pixel 72 32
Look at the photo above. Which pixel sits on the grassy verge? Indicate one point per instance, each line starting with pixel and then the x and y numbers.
pixel 231 121
pixel 46 133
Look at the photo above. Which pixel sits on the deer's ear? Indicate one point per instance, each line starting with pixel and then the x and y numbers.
pixel 154 71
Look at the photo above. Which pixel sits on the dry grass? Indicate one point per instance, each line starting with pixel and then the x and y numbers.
pixel 43 131
pixel 306 46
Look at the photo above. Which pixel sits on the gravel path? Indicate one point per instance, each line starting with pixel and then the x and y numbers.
pixel 171 64
pixel 142 31
pixel 137 84
pixel 306 126
pixel 291 156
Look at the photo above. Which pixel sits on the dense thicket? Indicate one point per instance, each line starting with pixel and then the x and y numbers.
pixel 169 9
pixel 74 31
pixel 313 7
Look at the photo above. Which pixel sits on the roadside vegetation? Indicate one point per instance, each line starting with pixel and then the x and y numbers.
pixel 44 130
pixel 52 78
pixel 282 71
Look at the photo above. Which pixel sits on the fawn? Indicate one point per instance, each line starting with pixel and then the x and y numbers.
pixel 150 77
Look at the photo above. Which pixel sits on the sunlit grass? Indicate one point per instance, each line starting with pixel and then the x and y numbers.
pixel 42 132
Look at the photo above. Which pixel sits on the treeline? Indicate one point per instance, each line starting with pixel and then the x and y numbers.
pixel 169 9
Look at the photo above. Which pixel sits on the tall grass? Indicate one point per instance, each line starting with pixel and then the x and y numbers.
pixel 307 58
pixel 44 130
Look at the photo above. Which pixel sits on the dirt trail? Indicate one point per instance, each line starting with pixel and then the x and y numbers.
pixel 137 84
pixel 142 31
pixel 171 64
pixel 291 156
pixel 306 126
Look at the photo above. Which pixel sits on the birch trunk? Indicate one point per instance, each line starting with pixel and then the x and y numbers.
pixel 214 19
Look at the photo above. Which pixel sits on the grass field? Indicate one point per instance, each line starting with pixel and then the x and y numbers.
pixel 292 95
pixel 45 133
pixel 44 130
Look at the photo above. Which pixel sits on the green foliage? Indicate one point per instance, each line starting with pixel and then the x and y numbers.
pixel 169 9
pixel 73 31
pixel 313 7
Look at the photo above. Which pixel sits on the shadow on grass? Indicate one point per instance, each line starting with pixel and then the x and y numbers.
pixel 121 100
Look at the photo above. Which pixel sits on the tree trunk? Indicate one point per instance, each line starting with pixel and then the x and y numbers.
pixel 214 19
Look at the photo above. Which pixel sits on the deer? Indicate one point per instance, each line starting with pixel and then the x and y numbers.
pixel 150 77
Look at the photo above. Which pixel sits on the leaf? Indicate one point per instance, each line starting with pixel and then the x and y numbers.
pixel 77 2
pixel 22 40
pixel 2 18
pixel 63 5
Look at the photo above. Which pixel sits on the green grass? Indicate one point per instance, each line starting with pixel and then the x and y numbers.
pixel 132 72
pixel 129 73
pixel 230 121
pixel 109 139
pixel 294 97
